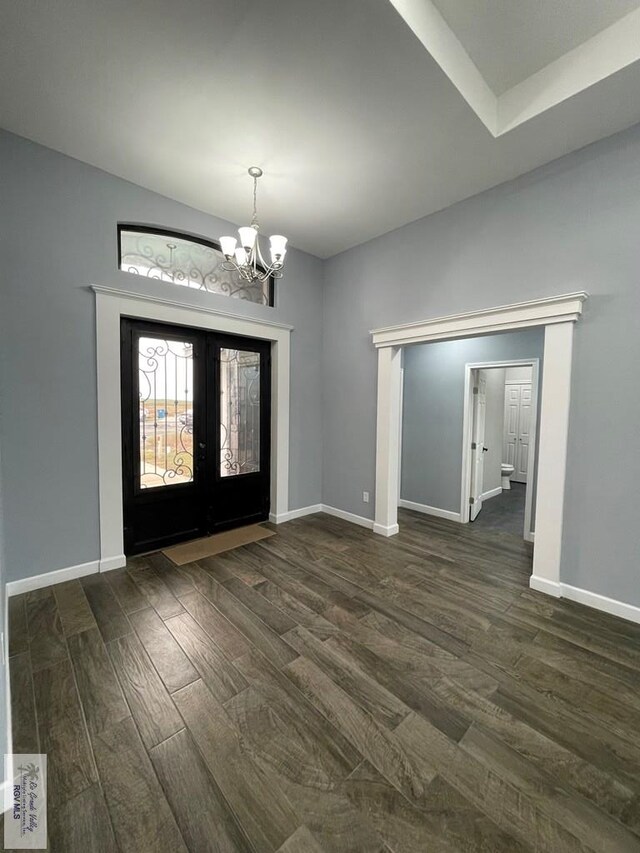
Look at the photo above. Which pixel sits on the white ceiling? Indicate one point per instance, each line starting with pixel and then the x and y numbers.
pixel 357 126
pixel 509 40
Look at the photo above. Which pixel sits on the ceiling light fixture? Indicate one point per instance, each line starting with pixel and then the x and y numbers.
pixel 244 256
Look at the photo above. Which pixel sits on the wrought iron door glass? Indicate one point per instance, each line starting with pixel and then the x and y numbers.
pixel 169 257
pixel 239 412
pixel 165 390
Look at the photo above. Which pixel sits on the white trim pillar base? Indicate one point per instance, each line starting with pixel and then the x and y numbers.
pixel 108 564
pixel 543 585
pixel 386 531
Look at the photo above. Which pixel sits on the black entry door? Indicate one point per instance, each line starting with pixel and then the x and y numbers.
pixel 196 433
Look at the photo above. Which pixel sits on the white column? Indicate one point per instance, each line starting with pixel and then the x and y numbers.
pixel 554 429
pixel 280 355
pixel 387 440
pixel 109 432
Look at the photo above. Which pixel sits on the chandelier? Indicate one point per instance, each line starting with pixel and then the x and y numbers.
pixel 244 256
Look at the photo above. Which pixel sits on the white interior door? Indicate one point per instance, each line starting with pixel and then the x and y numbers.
pixel 517 428
pixel 511 424
pixel 524 434
pixel 477 445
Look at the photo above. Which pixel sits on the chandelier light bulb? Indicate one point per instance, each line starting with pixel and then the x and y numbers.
pixel 248 236
pixel 278 247
pixel 228 246
pixel 243 256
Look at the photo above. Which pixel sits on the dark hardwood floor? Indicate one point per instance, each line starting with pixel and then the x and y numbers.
pixel 330 690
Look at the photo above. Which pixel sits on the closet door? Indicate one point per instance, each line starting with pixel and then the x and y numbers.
pixel 524 434
pixel 511 424
pixel 517 429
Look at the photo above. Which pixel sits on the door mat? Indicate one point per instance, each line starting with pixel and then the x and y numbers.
pixel 189 552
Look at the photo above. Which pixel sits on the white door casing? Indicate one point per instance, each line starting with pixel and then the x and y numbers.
pixel 558 315
pixel 477 446
pixel 111 305
pixel 387 440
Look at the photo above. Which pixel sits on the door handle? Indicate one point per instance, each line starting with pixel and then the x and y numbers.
pixel 201 445
pixel 484 449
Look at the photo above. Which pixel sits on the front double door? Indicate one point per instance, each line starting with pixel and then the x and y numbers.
pixel 195 433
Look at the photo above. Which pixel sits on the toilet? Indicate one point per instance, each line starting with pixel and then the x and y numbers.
pixel 506 472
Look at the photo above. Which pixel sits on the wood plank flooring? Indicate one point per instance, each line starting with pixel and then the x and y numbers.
pixel 330 691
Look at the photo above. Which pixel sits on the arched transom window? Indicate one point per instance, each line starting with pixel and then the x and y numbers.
pixel 186 261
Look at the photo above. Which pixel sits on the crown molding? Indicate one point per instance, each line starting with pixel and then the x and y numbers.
pixel 595 60
pixel 520 315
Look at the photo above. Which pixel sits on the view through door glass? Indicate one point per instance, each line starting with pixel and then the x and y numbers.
pixel 165 379
pixel 196 433
pixel 239 412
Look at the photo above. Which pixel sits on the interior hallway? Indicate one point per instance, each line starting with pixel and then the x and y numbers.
pixel 504 512
pixel 330 690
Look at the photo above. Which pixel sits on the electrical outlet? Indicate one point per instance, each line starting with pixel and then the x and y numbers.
pixel 365 497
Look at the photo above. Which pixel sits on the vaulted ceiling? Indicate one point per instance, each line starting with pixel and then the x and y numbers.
pixel 364 114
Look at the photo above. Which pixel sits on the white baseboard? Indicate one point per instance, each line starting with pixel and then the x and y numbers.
pixel 294 513
pixel 107 564
pixel 430 510
pixel 384 530
pixel 601 602
pixel 492 493
pixel 51 578
pixel 329 510
pixel 631 612
pixel 348 516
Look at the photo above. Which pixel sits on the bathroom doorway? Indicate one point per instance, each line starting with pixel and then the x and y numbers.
pixel 499 446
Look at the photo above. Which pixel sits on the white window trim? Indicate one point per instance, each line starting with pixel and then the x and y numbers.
pixel 113 304
pixel 558 315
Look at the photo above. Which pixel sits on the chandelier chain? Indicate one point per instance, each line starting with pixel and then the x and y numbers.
pixel 254 218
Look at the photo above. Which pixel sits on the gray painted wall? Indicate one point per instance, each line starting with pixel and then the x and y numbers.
pixel 58 235
pixel 572 225
pixel 433 403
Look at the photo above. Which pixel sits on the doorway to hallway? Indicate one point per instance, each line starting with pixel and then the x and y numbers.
pixel 499 445
pixel 196 417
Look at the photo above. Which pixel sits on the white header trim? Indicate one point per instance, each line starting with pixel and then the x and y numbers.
pixel 538 312
pixel 205 309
